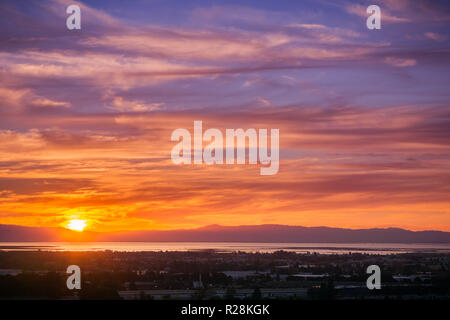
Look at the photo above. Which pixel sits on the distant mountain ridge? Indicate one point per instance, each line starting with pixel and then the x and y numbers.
pixel 217 233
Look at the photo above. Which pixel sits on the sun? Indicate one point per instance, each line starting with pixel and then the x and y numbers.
pixel 76 224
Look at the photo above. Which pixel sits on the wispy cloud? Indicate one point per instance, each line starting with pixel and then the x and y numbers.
pixel 86 118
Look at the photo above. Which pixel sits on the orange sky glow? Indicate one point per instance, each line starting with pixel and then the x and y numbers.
pixel 86 120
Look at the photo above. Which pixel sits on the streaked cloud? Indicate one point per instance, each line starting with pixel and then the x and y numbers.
pixel 86 118
pixel 400 62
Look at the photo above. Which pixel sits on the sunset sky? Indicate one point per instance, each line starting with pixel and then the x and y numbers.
pixel 86 115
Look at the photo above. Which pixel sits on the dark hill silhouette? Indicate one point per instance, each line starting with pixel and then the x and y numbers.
pixel 216 233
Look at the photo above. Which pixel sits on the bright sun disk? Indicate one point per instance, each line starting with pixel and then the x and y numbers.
pixel 76 224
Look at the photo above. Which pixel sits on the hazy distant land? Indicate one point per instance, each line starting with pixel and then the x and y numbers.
pixel 215 233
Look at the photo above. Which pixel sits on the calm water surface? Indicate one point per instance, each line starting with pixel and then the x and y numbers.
pixel 322 248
